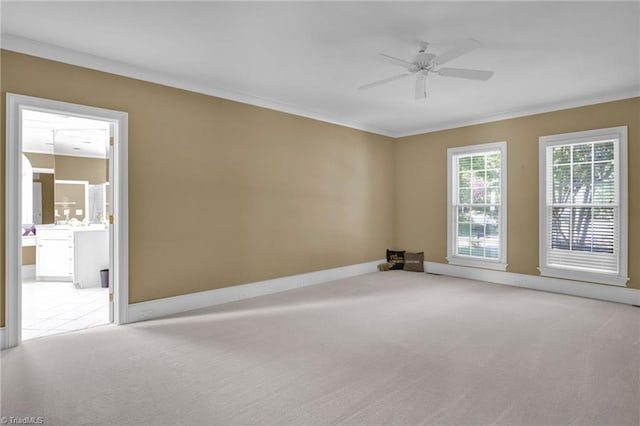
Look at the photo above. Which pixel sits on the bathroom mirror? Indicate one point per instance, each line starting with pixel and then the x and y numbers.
pixel 38 188
pixel 43 197
pixel 71 200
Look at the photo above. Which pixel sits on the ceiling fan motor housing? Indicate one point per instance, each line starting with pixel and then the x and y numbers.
pixel 423 59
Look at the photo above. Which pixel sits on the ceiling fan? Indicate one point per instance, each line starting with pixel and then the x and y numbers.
pixel 424 63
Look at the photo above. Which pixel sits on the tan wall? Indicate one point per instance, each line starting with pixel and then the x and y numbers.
pixel 421 177
pixel 223 193
pixel 29 255
pixel 42 161
pixel 95 170
pixel 3 122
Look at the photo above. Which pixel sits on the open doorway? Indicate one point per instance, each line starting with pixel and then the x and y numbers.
pixel 66 202
pixel 67 218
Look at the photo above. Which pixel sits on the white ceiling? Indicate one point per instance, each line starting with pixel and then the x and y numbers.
pixel 309 57
pixel 48 133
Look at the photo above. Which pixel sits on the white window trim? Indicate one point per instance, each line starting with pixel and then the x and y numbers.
pixel 499 264
pixel 619 133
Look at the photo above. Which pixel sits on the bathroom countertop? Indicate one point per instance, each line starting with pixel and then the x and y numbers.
pixel 92 227
pixel 30 240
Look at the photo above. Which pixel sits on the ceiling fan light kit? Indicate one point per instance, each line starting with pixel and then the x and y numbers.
pixel 424 63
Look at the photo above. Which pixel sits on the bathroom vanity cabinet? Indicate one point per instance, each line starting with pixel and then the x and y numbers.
pixel 72 254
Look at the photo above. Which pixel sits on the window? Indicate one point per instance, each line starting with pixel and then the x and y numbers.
pixel 583 206
pixel 477 206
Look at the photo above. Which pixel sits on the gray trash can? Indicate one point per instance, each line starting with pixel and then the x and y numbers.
pixel 104 278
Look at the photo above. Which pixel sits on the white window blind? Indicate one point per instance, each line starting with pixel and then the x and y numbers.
pixel 582 206
pixel 476 199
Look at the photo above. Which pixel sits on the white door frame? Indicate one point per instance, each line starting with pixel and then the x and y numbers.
pixel 13 202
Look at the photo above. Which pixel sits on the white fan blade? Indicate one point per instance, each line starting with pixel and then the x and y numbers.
pixel 383 81
pixel 393 60
pixel 465 73
pixel 421 87
pixel 466 46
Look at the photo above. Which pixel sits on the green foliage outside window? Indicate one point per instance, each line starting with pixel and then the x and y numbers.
pixel 478 193
pixel 583 189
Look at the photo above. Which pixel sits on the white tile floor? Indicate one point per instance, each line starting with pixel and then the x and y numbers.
pixel 50 307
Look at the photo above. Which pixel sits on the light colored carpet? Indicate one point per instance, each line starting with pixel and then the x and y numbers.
pixel 383 348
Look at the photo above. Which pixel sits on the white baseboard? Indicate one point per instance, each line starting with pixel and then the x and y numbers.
pixel 28 271
pixel 554 285
pixel 172 305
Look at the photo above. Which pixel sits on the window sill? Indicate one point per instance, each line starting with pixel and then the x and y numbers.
pixel 476 263
pixel 578 275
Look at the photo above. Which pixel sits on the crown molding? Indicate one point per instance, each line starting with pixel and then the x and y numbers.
pixel 631 92
pixel 73 57
pixel 60 54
